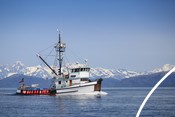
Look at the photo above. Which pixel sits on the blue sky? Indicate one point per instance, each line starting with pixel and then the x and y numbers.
pixel 131 34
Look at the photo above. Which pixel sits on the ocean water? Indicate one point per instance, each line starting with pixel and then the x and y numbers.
pixel 120 102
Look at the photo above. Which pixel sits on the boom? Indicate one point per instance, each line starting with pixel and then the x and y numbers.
pixel 47 64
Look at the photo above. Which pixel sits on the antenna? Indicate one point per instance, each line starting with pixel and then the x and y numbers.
pixel 86 60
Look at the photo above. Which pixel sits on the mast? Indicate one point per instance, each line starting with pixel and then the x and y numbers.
pixel 60 57
pixel 60 49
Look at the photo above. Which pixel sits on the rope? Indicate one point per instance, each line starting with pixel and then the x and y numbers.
pixel 73 53
pixel 49 53
pixel 46 48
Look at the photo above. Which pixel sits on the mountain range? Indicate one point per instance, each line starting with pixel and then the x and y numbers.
pixel 44 72
pixel 10 75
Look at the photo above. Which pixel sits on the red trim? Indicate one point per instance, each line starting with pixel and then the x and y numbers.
pixel 35 92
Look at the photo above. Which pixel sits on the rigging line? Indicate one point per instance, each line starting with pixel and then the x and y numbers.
pixel 66 58
pixel 47 56
pixel 79 58
pixel 66 66
pixel 49 53
pixel 46 48
pixel 40 63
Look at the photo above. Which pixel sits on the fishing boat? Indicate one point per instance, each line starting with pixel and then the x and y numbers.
pixel 74 80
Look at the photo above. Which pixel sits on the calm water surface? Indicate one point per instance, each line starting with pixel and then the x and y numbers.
pixel 120 102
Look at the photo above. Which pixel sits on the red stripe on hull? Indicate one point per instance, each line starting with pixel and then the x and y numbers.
pixel 35 92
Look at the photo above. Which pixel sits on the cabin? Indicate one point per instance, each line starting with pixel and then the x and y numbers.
pixel 76 75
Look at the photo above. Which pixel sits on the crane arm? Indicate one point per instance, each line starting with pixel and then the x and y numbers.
pixel 47 64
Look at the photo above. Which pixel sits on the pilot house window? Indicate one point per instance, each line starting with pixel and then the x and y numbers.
pixel 80 69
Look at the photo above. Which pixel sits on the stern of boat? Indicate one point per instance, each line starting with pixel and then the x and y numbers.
pixel 97 87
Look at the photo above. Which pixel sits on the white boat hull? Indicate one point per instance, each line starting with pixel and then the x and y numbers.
pixel 85 88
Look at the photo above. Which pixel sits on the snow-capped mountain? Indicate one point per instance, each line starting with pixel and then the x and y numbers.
pixel 164 68
pixel 111 73
pixel 20 68
pixel 45 72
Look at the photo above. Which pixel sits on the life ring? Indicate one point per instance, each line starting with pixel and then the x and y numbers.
pixel 24 92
